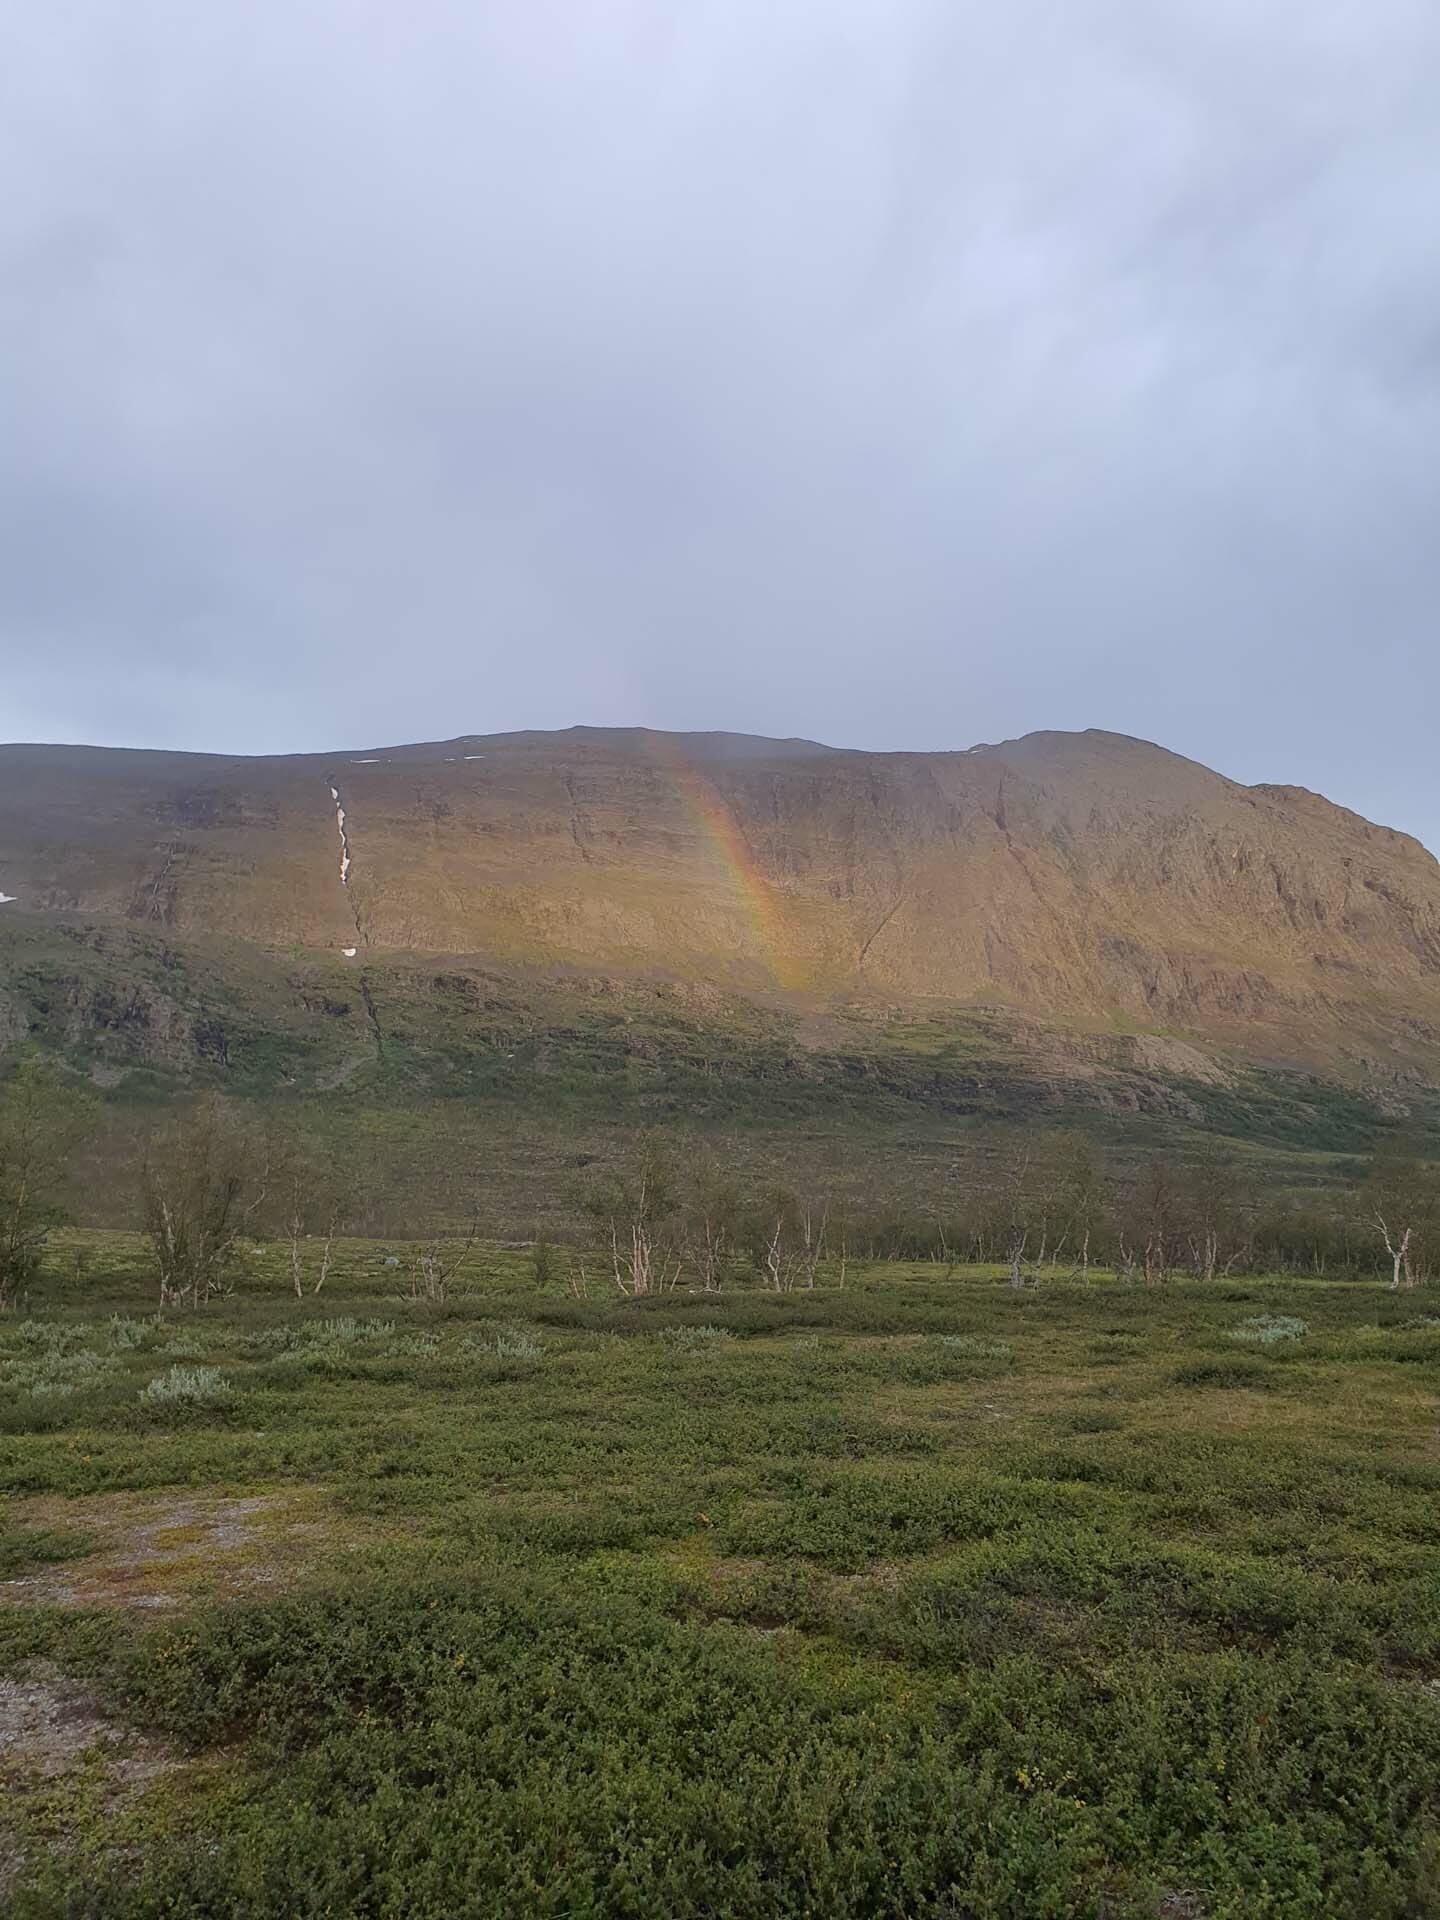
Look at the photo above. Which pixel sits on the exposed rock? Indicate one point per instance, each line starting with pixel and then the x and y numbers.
pixel 1152 1053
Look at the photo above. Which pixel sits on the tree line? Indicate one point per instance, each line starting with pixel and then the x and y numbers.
pixel 1041 1205
pixel 1048 1204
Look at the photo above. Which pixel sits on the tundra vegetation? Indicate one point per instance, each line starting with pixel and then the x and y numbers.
pixel 1071 1550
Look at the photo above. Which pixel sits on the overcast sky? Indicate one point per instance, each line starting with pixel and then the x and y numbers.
pixel 894 372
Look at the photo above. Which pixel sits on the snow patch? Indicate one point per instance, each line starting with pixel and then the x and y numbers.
pixel 7 899
pixel 475 756
pixel 344 837
pixel 364 763
pixel 349 952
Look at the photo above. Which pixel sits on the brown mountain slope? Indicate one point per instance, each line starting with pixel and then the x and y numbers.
pixel 1079 878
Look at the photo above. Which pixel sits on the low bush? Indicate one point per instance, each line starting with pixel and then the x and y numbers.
pixel 1270 1329
pixel 187 1387
pixel 925 1599
pixel 696 1339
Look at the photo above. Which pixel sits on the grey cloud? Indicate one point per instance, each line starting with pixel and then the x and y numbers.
pixel 886 371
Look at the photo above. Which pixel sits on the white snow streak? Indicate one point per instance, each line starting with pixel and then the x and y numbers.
pixel 344 837
pixel 7 899
pixel 349 952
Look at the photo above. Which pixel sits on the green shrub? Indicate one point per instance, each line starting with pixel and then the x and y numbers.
pixel 513 1343
pixel 696 1339
pixel 51 1362
pixel 128 1334
pixel 920 1599
pixel 1270 1329
pixel 1225 1373
pixel 187 1387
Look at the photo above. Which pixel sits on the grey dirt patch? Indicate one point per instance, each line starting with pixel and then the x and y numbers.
pixel 48 1727
pixel 52 1730
pixel 155 1553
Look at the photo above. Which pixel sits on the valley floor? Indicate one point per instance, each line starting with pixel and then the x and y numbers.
pixel 914 1597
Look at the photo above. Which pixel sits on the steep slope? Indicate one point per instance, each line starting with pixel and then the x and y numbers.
pixel 1082 878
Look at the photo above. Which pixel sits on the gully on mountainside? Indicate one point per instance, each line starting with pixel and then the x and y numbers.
pixel 344 837
pixel 345 862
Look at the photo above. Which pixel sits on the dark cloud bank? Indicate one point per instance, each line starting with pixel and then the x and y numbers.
pixel 897 373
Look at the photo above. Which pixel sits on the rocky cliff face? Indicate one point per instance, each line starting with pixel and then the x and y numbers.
pixel 1084 879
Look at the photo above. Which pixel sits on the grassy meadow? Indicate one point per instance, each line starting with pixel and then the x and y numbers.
pixel 918 1596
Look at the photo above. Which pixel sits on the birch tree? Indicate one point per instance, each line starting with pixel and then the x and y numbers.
pixel 40 1123
pixel 634 1208
pixel 202 1183
pixel 1400 1201
pixel 1083 1199
pixel 309 1206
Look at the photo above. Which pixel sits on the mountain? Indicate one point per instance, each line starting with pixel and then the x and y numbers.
pixel 1085 916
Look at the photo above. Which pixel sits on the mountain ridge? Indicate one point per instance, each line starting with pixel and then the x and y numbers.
pixel 1085 878
pixel 719 744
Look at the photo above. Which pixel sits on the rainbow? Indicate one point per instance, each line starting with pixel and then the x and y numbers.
pixel 718 826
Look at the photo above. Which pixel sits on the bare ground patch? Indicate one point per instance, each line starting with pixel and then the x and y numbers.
pixel 159 1552
pixel 49 1726
pixel 55 1738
